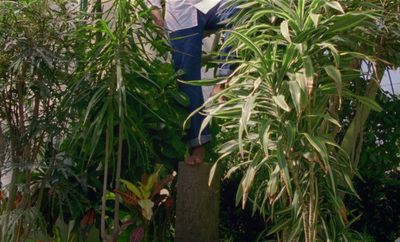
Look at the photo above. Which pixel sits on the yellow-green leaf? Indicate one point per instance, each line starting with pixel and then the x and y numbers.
pixel 280 101
pixel 133 188
pixel 285 30
pixel 147 208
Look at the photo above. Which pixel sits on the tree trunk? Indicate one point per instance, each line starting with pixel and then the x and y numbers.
pixel 197 208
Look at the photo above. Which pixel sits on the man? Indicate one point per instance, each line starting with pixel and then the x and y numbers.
pixel 186 20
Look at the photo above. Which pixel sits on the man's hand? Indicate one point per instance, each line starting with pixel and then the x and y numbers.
pixel 158 20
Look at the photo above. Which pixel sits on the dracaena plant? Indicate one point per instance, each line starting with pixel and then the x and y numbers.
pixel 121 99
pixel 293 63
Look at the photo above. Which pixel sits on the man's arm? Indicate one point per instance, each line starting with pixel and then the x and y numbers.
pixel 155 7
pixel 158 17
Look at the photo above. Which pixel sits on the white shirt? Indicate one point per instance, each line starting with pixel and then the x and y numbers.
pixel 182 14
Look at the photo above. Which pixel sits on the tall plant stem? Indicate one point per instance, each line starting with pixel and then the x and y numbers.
pixel 301 198
pixel 104 236
pixel 118 176
pixel 2 152
pixel 311 209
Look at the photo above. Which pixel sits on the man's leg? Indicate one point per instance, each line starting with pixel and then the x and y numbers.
pixel 221 13
pixel 187 57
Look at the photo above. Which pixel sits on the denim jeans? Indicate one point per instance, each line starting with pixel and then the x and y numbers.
pixel 187 52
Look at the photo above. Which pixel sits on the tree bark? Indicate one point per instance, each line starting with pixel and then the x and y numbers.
pixel 197 208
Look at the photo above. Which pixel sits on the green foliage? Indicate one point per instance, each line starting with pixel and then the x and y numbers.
pixel 151 208
pixel 34 71
pixel 293 61
pixel 82 93
pixel 380 187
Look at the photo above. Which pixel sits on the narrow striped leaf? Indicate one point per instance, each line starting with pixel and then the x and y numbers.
pixel 287 61
pixel 335 74
pixel 319 146
pixel 250 45
pixel 246 113
pixel 283 167
pixel 295 92
pixel 247 183
pixel 301 80
pixel 291 135
pixel 212 173
pixel 325 227
pixel 369 102
pixel 346 22
pixel 315 19
pixel 335 5
pixel 239 193
pixel 349 182
pixel 296 229
pixel 279 227
pixel 280 101
pixel 132 188
pixel 284 7
pixel 333 51
pixel 325 116
pixel 272 186
pixel 332 181
pixel 265 136
pixel 262 13
pixel 232 170
pixel 300 10
pixel 285 31
pixel 108 31
pixel 228 147
pixel 309 68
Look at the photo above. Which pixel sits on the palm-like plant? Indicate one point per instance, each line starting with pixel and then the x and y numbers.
pixel 34 72
pixel 123 93
pixel 293 61
pixel 80 90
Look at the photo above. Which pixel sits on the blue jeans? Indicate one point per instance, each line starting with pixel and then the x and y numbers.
pixel 187 57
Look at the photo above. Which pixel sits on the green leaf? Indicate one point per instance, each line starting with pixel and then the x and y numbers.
pixel 247 111
pixel 133 188
pixel 295 92
pixel 297 228
pixel 108 31
pixel 212 173
pixel 247 183
pixel 369 102
pixel 272 186
pixel 280 101
pixel 283 167
pixel 285 30
pixel 265 136
pixel 315 19
pixel 147 208
pixel 319 146
pixel 346 22
pixel 333 51
pixel 301 80
pixel 181 98
pixel 308 67
pixel 335 5
pixel 284 7
pixel 279 227
pixel 291 135
pixel 288 59
pixel 325 116
pixel 239 193
pixel 335 74
pixel 248 42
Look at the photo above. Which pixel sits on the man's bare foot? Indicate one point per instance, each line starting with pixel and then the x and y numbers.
pixel 197 156
pixel 216 89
